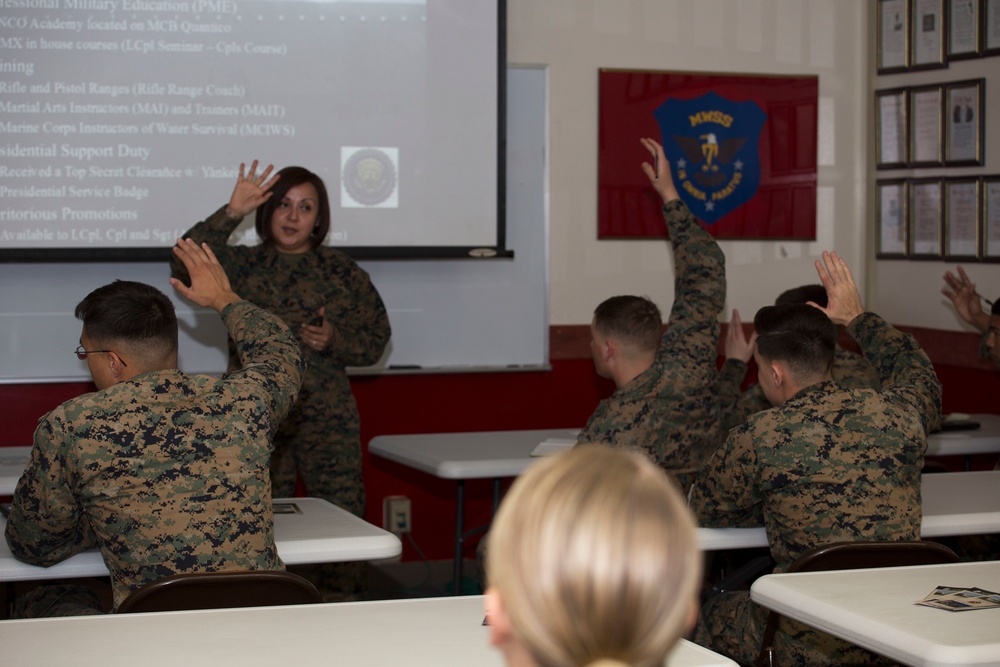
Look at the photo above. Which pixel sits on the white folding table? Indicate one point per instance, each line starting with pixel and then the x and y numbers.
pixel 432 632
pixel 952 503
pixel 874 608
pixel 982 440
pixel 462 456
pixel 319 532
pixel 958 505
pixel 12 462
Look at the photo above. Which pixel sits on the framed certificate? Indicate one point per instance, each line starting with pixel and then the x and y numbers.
pixel 961 218
pixel 893 52
pixel 963 29
pixel 890 128
pixel 925 126
pixel 991 218
pixel 925 217
pixel 964 114
pixel 891 214
pixel 991 27
pixel 927 35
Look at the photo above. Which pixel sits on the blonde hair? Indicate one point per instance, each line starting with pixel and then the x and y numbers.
pixel 594 555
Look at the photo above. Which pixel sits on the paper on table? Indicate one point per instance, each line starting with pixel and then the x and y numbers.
pixel 953 598
pixel 551 446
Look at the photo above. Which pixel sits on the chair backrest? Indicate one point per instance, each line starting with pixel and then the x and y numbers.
pixel 220 590
pixel 857 555
pixel 854 556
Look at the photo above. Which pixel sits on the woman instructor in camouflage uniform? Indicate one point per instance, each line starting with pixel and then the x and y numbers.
pixel 325 296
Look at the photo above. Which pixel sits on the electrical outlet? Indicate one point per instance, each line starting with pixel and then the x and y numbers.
pixel 396 514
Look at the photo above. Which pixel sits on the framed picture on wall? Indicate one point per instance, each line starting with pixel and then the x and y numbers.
pixel 890 128
pixel 927 35
pixel 891 214
pixel 964 39
pixel 991 27
pixel 961 218
pixel 925 125
pixel 924 211
pixel 893 52
pixel 964 123
pixel 991 218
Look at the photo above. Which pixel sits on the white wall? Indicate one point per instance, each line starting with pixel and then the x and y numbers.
pixel 575 38
pixel 909 291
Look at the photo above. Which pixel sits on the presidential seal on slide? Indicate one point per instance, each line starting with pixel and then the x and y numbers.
pixel 369 177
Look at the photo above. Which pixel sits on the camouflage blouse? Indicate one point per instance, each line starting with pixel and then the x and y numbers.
pixel 671 411
pixel 166 472
pixel 831 464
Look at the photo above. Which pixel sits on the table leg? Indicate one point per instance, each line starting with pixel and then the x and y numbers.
pixel 460 528
pixel 459 536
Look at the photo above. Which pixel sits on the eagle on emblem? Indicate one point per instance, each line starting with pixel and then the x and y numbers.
pixel 706 153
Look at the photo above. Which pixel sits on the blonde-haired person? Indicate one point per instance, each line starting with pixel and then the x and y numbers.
pixel 592 560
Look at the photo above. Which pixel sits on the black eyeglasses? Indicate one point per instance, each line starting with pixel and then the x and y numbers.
pixel 81 354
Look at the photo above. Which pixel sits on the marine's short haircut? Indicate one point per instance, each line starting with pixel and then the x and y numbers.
pixel 130 313
pixel 290 177
pixel 801 336
pixel 803 294
pixel 633 320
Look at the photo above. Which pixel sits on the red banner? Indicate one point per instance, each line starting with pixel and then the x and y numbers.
pixel 766 174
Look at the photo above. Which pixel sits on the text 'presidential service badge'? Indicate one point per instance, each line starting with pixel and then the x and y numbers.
pixel 712 145
pixel 369 177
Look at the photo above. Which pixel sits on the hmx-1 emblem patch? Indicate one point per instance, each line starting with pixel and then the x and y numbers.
pixel 711 144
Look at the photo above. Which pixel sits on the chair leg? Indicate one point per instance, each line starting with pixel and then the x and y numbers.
pixel 741 576
pixel 766 658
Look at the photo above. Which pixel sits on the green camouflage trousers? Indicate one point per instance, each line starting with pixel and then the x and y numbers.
pixel 320 442
pixel 57 600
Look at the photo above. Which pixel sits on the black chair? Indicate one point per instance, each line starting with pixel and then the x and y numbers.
pixel 853 556
pixel 221 590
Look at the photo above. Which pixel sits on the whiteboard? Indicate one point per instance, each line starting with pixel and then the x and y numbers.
pixel 456 314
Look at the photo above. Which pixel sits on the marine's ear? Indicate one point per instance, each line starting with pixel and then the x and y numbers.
pixel 496 617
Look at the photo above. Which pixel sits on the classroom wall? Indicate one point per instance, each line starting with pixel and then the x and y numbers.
pixel 921 303
pixel 573 38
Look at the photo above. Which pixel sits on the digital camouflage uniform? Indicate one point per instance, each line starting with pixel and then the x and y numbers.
pixel 165 472
pixel 670 412
pixel 850 370
pixel 320 439
pixel 831 464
